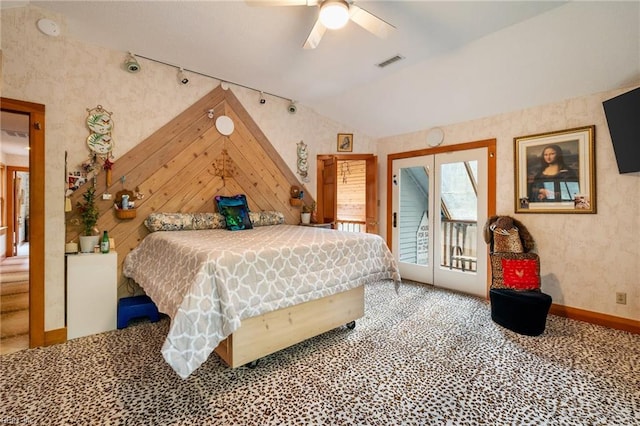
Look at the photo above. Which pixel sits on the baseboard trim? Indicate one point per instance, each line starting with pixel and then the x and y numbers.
pixel 53 337
pixel 597 318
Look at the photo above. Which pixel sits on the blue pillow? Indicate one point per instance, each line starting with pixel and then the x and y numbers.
pixel 239 197
pixel 235 211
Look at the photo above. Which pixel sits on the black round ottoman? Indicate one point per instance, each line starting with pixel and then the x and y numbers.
pixel 524 312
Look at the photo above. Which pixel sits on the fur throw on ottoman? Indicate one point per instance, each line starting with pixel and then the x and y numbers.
pixel 506 234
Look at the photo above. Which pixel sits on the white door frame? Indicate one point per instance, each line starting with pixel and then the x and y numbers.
pixel 489 208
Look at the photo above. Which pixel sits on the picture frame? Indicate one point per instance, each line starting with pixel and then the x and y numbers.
pixel 555 172
pixel 76 180
pixel 345 142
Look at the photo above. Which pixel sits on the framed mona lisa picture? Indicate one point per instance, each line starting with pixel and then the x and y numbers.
pixel 555 172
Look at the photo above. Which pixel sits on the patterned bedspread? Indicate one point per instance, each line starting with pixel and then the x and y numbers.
pixel 208 281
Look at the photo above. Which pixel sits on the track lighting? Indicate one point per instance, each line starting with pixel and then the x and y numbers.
pixel 210 113
pixel 182 77
pixel 131 64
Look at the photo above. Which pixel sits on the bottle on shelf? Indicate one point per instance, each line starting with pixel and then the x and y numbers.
pixel 125 202
pixel 104 243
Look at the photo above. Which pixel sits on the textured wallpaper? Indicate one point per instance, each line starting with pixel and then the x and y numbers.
pixel 585 259
pixel 69 76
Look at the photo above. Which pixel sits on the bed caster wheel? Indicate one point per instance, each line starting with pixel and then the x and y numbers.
pixel 351 325
pixel 253 364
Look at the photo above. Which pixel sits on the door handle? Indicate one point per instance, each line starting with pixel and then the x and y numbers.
pixel 395 219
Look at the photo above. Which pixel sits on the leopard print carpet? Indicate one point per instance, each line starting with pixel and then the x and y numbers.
pixel 420 356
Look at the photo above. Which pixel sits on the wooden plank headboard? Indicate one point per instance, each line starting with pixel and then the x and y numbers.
pixel 184 164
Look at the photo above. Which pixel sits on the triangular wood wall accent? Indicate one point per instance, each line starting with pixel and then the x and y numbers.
pixel 177 169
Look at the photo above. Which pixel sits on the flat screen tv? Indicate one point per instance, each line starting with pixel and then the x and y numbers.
pixel 623 118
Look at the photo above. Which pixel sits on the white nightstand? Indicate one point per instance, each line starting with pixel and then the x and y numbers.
pixel 92 293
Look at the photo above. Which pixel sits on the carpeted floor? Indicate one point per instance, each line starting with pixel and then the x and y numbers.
pixel 420 357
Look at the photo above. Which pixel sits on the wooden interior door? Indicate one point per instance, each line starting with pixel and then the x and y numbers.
pixel 372 195
pixel 327 178
pixel 13 209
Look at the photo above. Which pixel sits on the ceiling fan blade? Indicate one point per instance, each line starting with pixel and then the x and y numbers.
pixel 282 2
pixel 315 35
pixel 370 22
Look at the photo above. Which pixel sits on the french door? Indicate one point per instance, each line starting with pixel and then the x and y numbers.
pixel 439 206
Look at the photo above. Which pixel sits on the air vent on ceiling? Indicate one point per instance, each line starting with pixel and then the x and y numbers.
pixel 390 61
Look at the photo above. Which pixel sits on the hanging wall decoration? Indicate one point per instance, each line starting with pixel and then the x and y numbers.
pixel 223 165
pixel 303 161
pixel 345 142
pixel 100 142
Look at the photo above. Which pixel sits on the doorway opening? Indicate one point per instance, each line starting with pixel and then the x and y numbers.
pixel 347 192
pixel 351 195
pixel 14 265
pixel 22 216
pixel 18 211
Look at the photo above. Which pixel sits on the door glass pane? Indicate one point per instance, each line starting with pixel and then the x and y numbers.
pixel 413 214
pixel 459 202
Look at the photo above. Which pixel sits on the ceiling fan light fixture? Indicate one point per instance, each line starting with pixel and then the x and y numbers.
pixel 334 14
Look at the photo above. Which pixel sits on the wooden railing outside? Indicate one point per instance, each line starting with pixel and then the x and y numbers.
pixel 351 225
pixel 458 242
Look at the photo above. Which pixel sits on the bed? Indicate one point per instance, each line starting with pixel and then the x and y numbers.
pixel 246 294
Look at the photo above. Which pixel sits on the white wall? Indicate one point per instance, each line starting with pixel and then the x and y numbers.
pixel 585 259
pixel 15 160
pixel 285 130
pixel 69 76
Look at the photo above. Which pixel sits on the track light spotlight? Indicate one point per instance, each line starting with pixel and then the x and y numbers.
pixel 131 64
pixel 210 113
pixel 292 107
pixel 182 77
pixel 262 99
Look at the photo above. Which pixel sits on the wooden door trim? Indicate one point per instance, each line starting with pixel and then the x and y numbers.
pixel 345 156
pixel 338 157
pixel 36 114
pixel 371 196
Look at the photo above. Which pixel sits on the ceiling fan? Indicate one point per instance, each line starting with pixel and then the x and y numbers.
pixel 334 14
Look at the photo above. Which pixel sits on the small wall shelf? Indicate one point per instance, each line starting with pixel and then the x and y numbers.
pixel 129 213
pixel 125 214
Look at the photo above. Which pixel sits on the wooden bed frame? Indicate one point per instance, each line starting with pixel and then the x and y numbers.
pixel 268 333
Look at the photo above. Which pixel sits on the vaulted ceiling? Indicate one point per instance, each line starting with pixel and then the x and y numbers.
pixel 462 60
